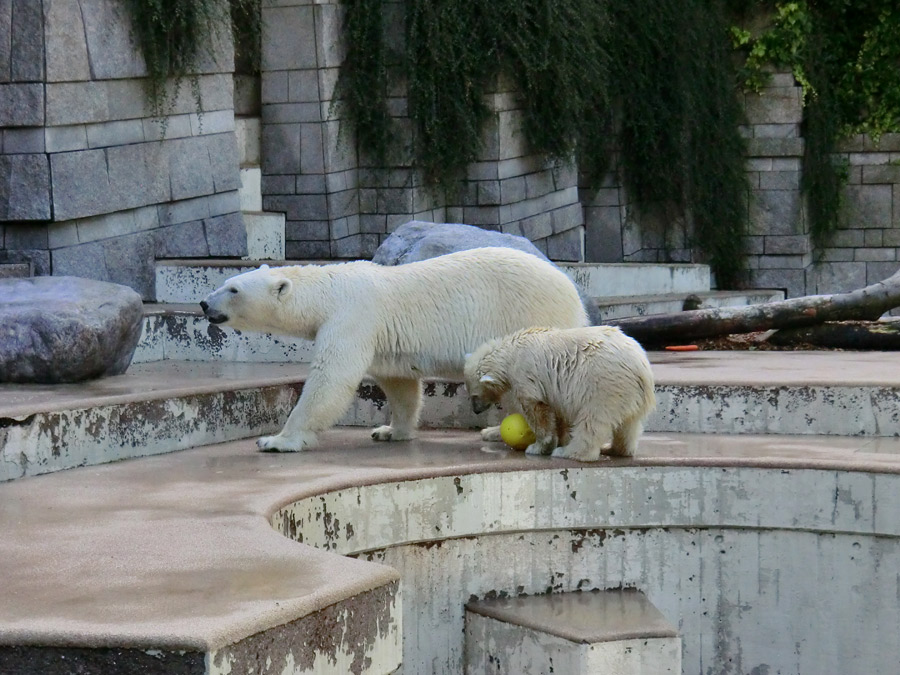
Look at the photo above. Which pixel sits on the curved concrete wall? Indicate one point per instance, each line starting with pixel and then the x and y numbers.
pixel 762 569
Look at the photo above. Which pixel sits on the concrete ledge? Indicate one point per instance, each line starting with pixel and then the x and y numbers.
pixel 580 633
pixel 175 554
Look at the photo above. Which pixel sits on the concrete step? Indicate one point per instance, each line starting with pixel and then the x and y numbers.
pixel 171 405
pixel 251 188
pixel 577 633
pixel 188 281
pixel 247 133
pixel 607 308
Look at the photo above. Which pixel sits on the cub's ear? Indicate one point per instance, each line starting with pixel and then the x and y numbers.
pixel 487 378
pixel 263 267
pixel 281 287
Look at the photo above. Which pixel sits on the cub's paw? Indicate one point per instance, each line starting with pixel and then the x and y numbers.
pixel 287 443
pixel 581 454
pixel 389 433
pixel 491 434
pixel 539 448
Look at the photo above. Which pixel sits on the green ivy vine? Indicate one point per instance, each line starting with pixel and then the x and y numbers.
pixel 652 82
pixel 174 34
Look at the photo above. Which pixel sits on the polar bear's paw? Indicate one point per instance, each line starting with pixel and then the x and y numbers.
pixel 491 434
pixel 287 443
pixel 388 433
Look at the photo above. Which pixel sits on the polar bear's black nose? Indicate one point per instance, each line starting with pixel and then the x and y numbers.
pixel 203 305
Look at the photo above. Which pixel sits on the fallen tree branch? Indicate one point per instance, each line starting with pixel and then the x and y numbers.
pixel 879 335
pixel 866 304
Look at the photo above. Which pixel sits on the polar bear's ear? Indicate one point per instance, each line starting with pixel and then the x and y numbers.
pixel 263 267
pixel 281 287
pixel 487 379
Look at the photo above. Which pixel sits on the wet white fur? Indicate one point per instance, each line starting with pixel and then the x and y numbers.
pixel 585 387
pixel 396 324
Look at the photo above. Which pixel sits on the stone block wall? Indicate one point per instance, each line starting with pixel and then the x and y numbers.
pixel 95 185
pixel 866 248
pixel 338 204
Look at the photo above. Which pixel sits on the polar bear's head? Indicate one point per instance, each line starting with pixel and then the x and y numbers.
pixel 485 377
pixel 255 300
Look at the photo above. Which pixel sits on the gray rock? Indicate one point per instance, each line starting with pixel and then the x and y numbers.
pixel 418 240
pixel 66 329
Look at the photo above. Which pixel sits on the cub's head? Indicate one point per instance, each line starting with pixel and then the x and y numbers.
pixel 485 381
pixel 250 301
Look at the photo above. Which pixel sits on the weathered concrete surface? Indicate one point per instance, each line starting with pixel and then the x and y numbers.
pixel 187 281
pixel 66 329
pixel 750 544
pixel 749 562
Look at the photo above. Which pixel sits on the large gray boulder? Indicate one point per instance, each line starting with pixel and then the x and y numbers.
pixel 419 240
pixel 66 329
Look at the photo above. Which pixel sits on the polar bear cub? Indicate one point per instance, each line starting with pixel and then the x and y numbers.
pixel 579 389
pixel 396 324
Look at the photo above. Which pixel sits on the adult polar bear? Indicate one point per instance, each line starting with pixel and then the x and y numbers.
pixel 396 324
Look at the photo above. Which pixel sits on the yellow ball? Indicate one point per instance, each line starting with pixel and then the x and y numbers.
pixel 515 432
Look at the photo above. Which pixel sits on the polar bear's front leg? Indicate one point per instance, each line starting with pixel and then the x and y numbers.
pixel 339 365
pixel 404 397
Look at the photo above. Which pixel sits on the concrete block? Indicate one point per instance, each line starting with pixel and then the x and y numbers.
pixel 330 44
pixel 307 250
pixel 175 126
pixel 848 238
pixel 878 271
pixel 312 151
pixel 250 192
pixel 24 187
pixel 792 281
pixel 357 246
pixel 189 170
pixel 291 113
pixel 775 147
pixel 874 238
pixel 247 96
pixel 247 132
pixel 226 235
pixel 139 174
pixel 789 244
pixel 185 240
pixel 566 246
pixel 224 202
pixel 131 260
pixel 120 132
pixel 288 40
pixel 27 42
pixel 216 92
pixel 303 86
pixel 66 44
pixel 779 180
pixel 281 148
pixel 883 173
pixel 343 204
pixel 213 122
pixel 776 212
pixel 60 235
pixel 567 217
pixel 265 236
pixel 84 260
pixel 868 158
pixel 85 102
pixel 118 224
pixel 5 40
pixel 867 206
pixel 890 237
pixel 776 105
pixel 282 185
pixel 837 255
pixel 23 140
pixel 24 236
pixel 538 184
pixel 21 105
pixel 298 207
pixel 571 634
pixel 174 213
pixel 875 254
pixel 316 230
pixel 603 234
pixel 112 52
pixel 66 138
pixel 837 277
pixel 223 161
pixel 274 87
pixel 775 130
pixel 127 99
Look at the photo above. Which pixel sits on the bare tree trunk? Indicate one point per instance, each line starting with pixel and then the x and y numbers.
pixel 867 303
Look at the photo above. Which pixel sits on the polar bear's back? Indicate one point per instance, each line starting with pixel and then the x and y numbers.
pixel 445 307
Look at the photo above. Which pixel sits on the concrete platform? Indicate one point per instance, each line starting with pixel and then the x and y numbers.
pixel 172 562
pixel 173 405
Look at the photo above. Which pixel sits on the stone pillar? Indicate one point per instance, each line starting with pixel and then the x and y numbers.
pixel 778 241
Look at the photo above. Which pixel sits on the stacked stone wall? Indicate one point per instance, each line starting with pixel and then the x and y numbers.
pixel 339 204
pixel 95 185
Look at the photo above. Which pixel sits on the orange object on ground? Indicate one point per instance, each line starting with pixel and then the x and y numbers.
pixel 682 348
